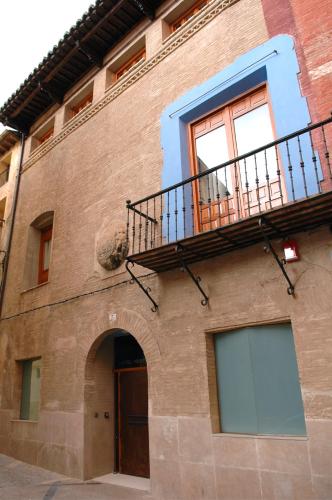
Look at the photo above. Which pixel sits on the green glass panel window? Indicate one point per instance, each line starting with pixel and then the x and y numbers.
pixel 31 389
pixel 258 383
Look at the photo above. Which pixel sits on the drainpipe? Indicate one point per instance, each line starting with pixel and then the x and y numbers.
pixel 11 228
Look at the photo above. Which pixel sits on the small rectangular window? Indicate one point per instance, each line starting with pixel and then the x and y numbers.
pixel 195 9
pixel 258 382
pixel 47 135
pixel 139 56
pixel 44 254
pixel 83 103
pixel 30 401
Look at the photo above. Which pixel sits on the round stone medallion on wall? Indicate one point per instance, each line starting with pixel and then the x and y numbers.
pixel 112 246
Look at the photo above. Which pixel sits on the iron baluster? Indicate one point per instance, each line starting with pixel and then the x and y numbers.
pixel 227 194
pixel 184 211
pixel 146 233
pixel 237 190
pixel 140 228
pixel 218 201
pixel 257 184
pixel 246 184
pixel 134 231
pixel 168 216
pixel 302 167
pixel 327 154
pixel 209 201
pixel 267 176
pixel 176 213
pixel 290 170
pixel 279 176
pixel 192 208
pixel 314 161
pixel 154 225
pixel 200 203
pixel 128 223
pixel 161 219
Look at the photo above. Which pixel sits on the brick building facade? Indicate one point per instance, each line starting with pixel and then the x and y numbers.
pixel 124 120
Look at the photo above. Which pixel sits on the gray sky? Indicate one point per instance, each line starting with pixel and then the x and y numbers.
pixel 29 30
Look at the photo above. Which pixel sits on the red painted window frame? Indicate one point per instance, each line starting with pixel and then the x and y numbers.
pixel 140 55
pixel 45 236
pixel 183 18
pixel 47 135
pixel 83 103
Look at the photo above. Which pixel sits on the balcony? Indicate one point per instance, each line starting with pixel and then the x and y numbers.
pixel 271 192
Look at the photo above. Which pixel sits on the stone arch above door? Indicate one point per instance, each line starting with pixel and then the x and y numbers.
pixel 128 321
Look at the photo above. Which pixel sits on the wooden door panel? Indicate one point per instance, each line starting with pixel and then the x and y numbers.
pixel 133 423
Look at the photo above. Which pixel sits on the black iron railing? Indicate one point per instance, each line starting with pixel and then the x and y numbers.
pixel 4 177
pixel 285 171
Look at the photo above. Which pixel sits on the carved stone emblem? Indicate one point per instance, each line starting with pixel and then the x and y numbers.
pixel 112 250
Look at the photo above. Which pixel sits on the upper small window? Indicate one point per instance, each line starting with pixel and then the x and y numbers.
pixel 47 135
pixel 183 18
pixel 81 104
pixel 140 56
pixel 43 134
pixel 81 101
pixel 4 169
pixel 30 400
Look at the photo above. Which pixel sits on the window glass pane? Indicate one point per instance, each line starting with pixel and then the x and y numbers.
pixel 212 151
pixel 259 390
pixel 236 392
pixel 253 130
pixel 35 389
pixel 31 389
pixel 47 250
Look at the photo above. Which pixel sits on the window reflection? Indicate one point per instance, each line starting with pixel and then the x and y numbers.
pixel 252 131
pixel 212 151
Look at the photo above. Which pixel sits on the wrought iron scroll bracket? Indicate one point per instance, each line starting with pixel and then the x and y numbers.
pixel 281 263
pixel 195 279
pixel 146 290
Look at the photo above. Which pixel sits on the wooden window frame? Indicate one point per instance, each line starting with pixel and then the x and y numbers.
pixel 135 59
pixel 45 236
pixel 82 104
pixel 230 114
pixel 188 14
pixel 46 136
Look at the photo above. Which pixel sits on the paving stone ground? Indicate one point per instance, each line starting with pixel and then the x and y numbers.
pixel 21 481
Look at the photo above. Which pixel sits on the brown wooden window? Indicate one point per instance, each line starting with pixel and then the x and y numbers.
pixel 195 9
pixel 44 254
pixel 245 187
pixel 83 103
pixel 47 135
pixel 129 64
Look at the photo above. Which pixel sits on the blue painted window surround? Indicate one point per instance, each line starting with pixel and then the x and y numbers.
pixel 258 384
pixel 274 63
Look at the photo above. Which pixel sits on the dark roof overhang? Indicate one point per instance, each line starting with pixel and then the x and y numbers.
pixel 8 139
pixel 82 48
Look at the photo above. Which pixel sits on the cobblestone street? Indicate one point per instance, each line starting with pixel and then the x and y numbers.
pixel 20 481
